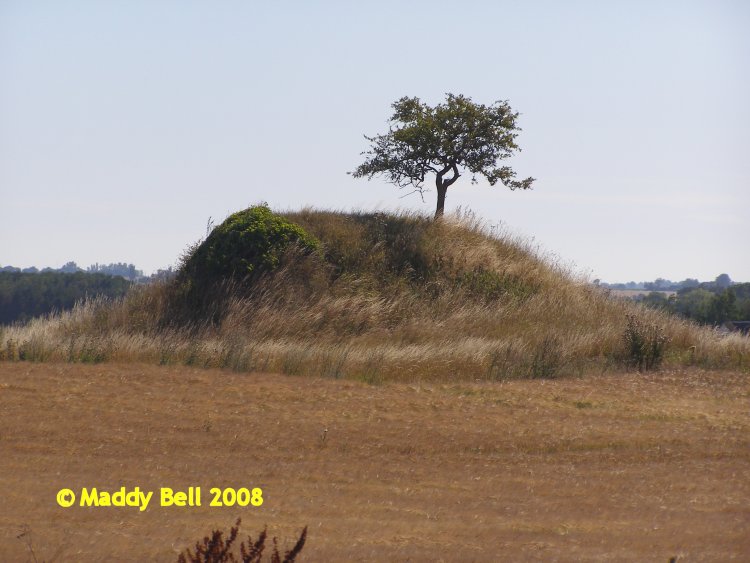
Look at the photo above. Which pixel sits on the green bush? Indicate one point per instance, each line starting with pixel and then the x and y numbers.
pixel 247 246
pixel 248 243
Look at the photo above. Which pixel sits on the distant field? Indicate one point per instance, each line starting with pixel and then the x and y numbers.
pixel 637 292
pixel 617 467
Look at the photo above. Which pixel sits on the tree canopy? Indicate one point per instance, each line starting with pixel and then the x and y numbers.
pixel 447 140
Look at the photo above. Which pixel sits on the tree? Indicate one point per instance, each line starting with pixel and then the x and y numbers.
pixel 689 283
pixel 657 300
pixel 722 307
pixel 444 140
pixel 723 281
pixel 695 304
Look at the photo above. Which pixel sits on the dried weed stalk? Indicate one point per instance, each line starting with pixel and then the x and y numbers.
pixel 218 549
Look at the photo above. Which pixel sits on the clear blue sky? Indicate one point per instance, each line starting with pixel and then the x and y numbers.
pixel 125 125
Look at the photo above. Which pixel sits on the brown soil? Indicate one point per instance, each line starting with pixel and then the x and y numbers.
pixel 616 467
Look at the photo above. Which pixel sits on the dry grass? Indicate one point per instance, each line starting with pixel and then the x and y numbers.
pixel 624 467
pixel 395 298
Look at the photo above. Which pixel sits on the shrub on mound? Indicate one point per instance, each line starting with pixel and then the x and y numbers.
pixel 247 244
pixel 233 257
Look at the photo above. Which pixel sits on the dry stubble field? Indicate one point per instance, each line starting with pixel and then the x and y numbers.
pixel 616 467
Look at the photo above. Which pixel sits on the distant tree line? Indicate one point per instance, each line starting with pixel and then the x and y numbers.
pixel 708 303
pixel 127 271
pixel 722 281
pixel 27 295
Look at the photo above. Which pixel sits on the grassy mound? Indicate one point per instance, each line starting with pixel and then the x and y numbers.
pixel 376 297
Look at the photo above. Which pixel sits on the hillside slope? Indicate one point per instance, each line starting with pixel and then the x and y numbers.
pixel 377 297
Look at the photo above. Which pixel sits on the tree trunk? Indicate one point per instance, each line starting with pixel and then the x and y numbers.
pixel 441 190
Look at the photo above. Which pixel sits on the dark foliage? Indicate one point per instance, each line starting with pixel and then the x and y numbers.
pixel 23 296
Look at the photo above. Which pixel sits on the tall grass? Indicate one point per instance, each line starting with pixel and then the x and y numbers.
pixel 392 297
